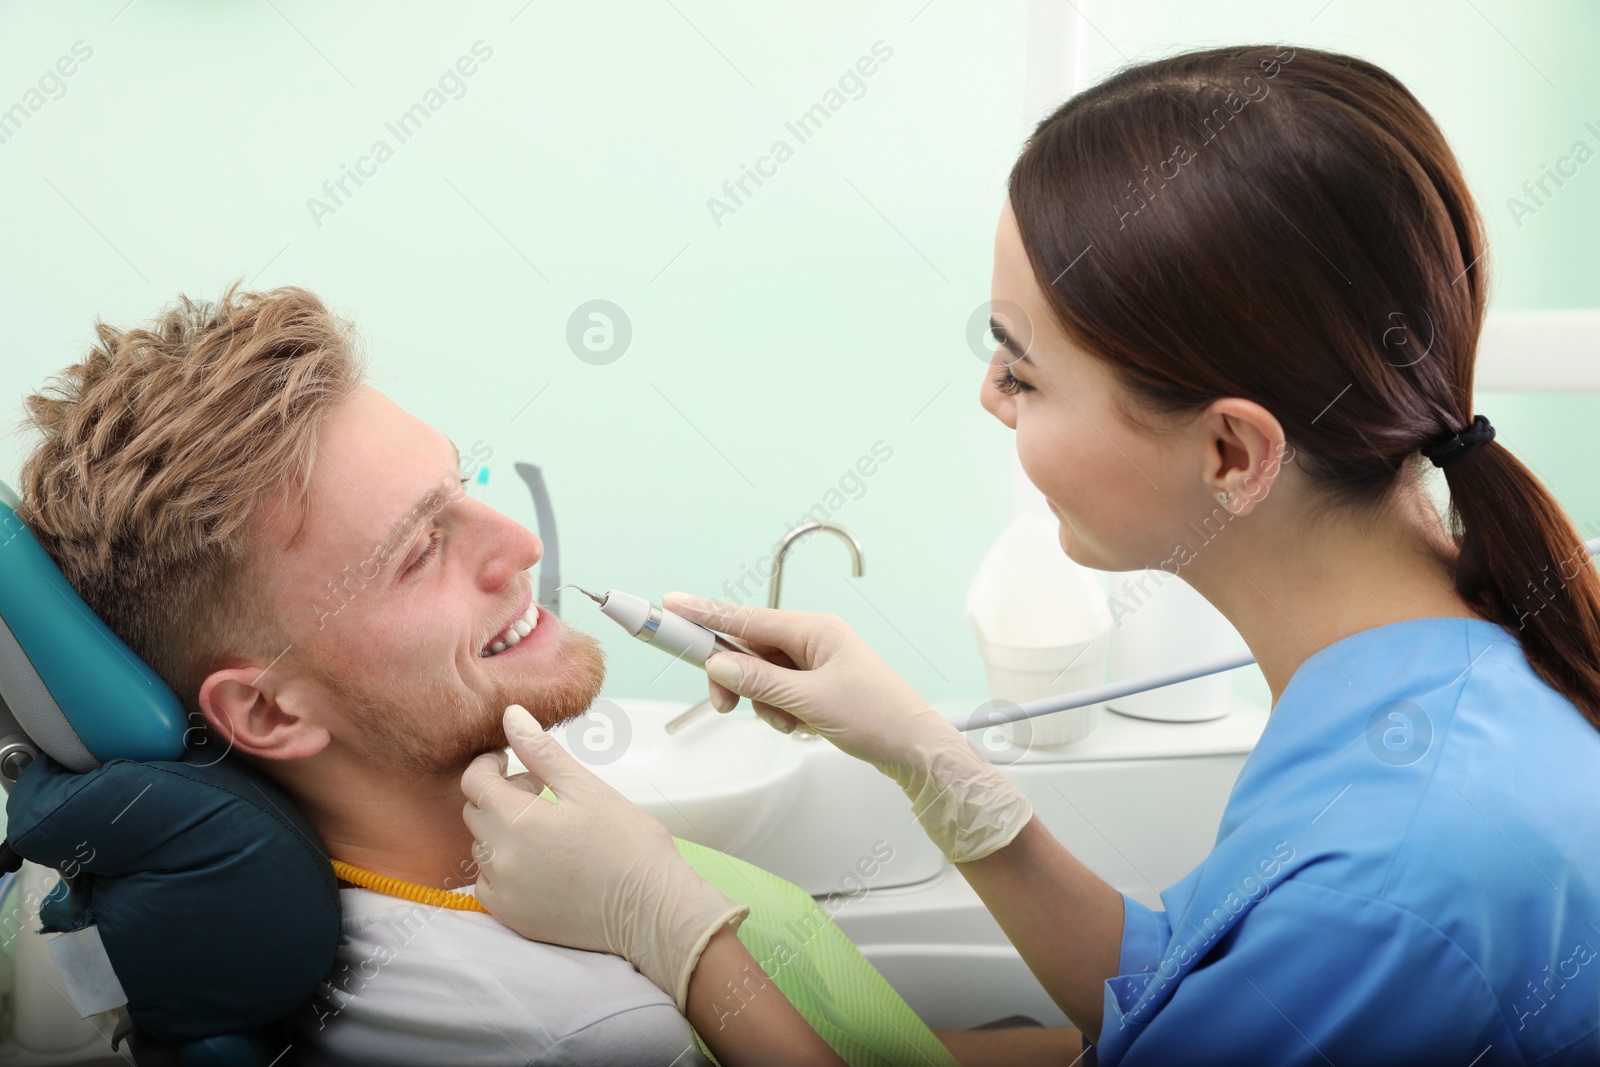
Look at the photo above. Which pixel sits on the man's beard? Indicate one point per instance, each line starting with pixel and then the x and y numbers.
pixel 433 730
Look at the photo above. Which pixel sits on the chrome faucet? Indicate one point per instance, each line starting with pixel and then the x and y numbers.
pixel 699 710
pixel 794 535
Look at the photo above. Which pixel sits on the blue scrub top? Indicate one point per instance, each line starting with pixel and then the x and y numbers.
pixel 1407 872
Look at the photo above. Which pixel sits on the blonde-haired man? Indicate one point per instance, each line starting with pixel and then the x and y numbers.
pixel 293 554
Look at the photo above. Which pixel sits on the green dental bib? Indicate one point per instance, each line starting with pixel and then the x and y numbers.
pixel 830 983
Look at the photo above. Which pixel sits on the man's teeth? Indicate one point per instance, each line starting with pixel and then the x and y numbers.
pixel 516 631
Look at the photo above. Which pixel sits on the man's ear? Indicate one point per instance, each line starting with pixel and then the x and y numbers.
pixel 1244 454
pixel 266 721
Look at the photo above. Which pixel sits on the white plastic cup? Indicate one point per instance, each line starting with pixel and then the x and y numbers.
pixel 1041 623
pixel 1019 675
pixel 1160 622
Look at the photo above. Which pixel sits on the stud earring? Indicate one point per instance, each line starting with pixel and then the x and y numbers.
pixel 1222 495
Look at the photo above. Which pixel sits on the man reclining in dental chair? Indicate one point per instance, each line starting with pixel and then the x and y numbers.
pixel 292 552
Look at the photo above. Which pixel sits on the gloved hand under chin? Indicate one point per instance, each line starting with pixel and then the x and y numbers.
pixel 590 870
pixel 841 690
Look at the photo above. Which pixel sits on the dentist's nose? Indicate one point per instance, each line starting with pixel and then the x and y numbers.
pixel 996 403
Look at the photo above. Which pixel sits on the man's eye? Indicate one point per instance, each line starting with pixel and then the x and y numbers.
pixel 427 553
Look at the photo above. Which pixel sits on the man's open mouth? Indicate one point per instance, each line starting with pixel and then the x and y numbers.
pixel 520 627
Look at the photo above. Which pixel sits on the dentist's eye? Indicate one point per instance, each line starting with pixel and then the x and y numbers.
pixel 1010 384
pixel 427 553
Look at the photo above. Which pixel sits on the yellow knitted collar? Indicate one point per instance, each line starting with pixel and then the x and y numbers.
pixel 394 887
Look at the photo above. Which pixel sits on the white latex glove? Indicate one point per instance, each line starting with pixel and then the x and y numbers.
pixel 589 871
pixel 841 690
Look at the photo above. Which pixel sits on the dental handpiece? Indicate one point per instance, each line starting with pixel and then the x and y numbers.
pixel 655 625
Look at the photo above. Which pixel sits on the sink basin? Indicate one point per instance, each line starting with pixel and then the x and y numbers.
pixel 723 781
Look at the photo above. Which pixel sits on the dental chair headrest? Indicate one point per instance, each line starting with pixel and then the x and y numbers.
pixel 214 900
pixel 67 682
pixel 213 896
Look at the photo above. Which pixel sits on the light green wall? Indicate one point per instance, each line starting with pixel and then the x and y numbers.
pixel 769 353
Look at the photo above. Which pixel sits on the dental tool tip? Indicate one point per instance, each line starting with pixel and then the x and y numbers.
pixel 585 592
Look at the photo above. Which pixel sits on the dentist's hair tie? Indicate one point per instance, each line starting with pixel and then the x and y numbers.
pixel 1447 448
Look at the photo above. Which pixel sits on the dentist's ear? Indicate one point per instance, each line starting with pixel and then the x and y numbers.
pixel 1244 451
pixel 260 719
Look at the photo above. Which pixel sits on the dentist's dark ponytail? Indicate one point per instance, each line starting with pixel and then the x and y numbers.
pixel 1289 226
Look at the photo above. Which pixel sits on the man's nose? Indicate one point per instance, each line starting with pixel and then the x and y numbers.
pixel 510 547
pixel 526 545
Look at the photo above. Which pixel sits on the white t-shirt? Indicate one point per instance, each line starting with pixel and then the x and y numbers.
pixel 416 984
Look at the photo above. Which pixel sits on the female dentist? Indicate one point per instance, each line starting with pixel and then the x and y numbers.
pixel 1244 287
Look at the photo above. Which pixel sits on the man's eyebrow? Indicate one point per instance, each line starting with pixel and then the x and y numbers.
pixel 1007 340
pixel 434 499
